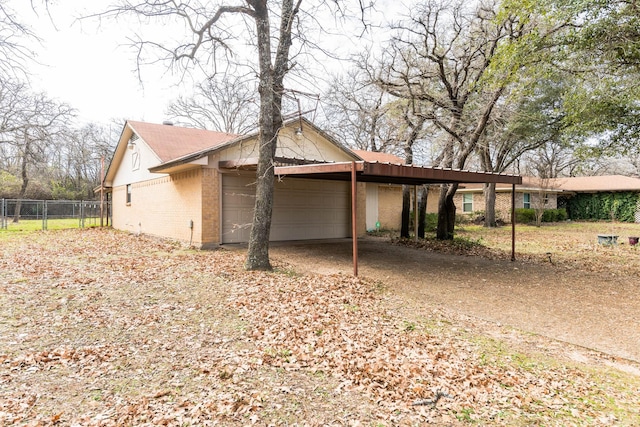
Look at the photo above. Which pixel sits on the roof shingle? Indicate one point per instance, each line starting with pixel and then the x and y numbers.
pixel 171 142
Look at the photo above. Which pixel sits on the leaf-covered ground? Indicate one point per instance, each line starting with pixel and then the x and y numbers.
pixel 99 327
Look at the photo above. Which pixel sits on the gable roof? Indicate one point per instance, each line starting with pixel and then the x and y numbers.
pixel 579 184
pixel 171 142
pixel 372 156
pixel 588 184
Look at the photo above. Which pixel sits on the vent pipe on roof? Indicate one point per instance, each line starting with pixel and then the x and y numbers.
pixel 167 123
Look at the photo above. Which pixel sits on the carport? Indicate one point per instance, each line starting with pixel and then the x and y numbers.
pixel 388 173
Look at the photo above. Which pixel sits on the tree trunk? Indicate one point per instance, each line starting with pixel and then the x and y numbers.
pixel 422 210
pixel 446 212
pixel 25 182
pixel 258 251
pixel 271 90
pixel 490 205
pixel 406 208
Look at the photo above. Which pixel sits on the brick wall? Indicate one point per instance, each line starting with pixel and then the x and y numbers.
pixel 390 206
pixel 163 207
pixel 211 203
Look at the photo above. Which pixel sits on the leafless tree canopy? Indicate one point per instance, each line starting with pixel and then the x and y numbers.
pixel 224 104
pixel 14 55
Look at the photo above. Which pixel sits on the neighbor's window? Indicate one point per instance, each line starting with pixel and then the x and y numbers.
pixel 128 194
pixel 467 203
pixel 527 200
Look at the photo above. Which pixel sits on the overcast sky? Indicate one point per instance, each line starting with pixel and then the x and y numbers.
pixel 89 65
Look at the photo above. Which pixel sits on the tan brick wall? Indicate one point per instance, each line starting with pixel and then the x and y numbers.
pixel 162 207
pixel 503 206
pixel 390 207
pixel 432 199
pixel 211 207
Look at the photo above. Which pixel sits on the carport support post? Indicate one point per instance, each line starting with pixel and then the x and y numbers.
pixel 354 225
pixel 415 211
pixel 513 222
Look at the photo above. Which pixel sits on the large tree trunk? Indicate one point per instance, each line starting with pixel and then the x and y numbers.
pixel 422 209
pixel 490 205
pixel 446 212
pixel 271 90
pixel 406 209
pixel 258 252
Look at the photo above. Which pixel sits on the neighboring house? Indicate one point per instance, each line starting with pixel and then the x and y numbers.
pixel 196 185
pixel 533 193
pixel 598 192
pixel 540 193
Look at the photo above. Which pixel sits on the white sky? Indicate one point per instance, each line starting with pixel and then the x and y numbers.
pixel 90 67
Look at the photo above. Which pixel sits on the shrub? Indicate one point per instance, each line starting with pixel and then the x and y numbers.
pixel 525 216
pixel 554 215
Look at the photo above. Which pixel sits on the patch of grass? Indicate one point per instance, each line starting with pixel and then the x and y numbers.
pixel 29 225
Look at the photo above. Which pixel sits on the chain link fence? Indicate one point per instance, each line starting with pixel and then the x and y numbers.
pixel 65 213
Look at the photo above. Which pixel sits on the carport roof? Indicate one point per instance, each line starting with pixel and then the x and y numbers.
pixel 393 173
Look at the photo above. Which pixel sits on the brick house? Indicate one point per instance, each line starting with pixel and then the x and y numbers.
pixel 535 193
pixel 532 193
pixel 197 186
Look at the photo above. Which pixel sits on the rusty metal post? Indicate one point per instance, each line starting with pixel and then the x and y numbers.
pixel 415 212
pixel 513 222
pixel 354 218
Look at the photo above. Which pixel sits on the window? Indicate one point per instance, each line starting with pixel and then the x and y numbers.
pixel 526 200
pixel 128 194
pixel 467 203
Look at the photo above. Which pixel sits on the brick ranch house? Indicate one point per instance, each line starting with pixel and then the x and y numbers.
pixel 195 186
pixel 536 193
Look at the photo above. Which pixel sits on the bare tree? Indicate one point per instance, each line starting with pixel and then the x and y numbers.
pixel 224 104
pixel 441 60
pixel 37 125
pixel 14 54
pixel 359 112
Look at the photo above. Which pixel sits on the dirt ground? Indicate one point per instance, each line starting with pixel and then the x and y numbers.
pixel 595 311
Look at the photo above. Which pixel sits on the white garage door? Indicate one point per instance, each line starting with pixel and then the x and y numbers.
pixel 303 209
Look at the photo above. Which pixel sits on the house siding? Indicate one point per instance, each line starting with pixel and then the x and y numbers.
pixel 390 206
pixel 211 185
pixel 163 207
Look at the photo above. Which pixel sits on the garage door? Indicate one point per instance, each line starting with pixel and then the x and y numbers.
pixel 303 209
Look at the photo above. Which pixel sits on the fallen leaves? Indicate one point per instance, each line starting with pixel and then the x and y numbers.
pixel 105 328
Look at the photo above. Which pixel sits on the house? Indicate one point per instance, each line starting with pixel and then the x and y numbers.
pixel 544 193
pixel 198 186
pixel 598 197
pixel 531 194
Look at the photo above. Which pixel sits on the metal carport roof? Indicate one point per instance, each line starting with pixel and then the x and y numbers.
pixel 396 174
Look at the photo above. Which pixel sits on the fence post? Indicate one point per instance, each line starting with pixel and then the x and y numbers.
pixel 44 215
pixel 3 214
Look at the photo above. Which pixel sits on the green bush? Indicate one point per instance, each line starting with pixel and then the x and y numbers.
pixel 525 216
pixel 431 222
pixel 554 215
